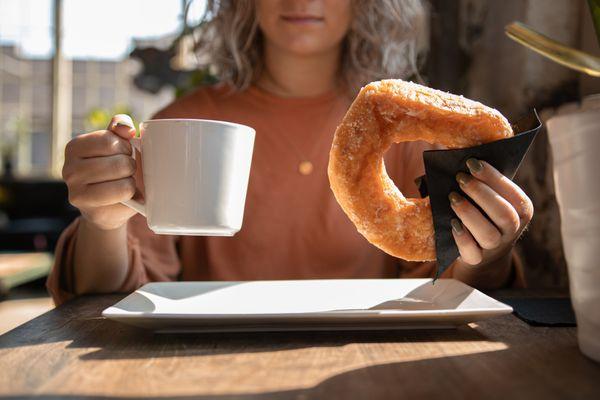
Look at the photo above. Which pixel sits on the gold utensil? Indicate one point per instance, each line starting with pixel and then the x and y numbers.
pixel 552 49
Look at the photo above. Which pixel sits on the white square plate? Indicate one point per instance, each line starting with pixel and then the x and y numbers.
pixel 345 304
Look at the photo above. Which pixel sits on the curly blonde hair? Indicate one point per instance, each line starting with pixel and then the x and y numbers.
pixel 382 42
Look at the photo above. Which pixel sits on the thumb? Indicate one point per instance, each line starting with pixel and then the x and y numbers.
pixel 122 125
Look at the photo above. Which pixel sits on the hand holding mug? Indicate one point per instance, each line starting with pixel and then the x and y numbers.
pixel 195 175
pixel 98 171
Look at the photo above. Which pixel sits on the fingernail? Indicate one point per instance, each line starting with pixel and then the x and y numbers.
pixel 124 120
pixel 455 198
pixel 474 165
pixel 456 226
pixel 120 123
pixel 463 178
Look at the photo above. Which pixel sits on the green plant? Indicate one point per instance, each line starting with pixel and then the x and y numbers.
pixel 595 10
pixel 99 118
pixel 199 77
pixel 15 131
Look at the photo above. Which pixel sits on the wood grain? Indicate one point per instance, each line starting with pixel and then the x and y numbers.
pixel 72 352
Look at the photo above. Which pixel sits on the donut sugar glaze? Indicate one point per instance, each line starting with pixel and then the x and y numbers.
pixel 393 111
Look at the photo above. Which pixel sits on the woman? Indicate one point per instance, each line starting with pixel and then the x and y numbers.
pixel 288 68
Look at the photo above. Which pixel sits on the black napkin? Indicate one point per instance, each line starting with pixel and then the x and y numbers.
pixel 554 311
pixel 441 167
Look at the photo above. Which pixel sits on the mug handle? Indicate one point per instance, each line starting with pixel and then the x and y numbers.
pixel 136 144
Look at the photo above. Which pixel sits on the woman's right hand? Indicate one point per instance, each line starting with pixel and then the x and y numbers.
pixel 98 171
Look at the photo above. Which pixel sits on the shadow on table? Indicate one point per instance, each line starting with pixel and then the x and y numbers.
pixel 119 341
pixel 523 371
pixel 133 343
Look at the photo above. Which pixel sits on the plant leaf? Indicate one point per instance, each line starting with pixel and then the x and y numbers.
pixel 595 11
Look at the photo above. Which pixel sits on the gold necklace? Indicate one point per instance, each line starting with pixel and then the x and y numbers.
pixel 305 166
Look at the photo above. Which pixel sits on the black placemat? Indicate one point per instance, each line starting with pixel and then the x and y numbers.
pixel 554 311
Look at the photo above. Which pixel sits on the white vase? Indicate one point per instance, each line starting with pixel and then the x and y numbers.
pixel 575 142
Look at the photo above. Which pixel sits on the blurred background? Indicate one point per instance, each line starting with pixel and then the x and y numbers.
pixel 66 66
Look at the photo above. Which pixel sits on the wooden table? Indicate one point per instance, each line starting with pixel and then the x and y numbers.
pixel 71 351
pixel 22 304
pixel 19 268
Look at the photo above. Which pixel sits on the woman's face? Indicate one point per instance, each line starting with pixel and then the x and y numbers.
pixel 304 27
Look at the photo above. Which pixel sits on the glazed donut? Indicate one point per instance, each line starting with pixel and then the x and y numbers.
pixel 393 111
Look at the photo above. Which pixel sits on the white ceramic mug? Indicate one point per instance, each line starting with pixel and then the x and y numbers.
pixel 195 175
pixel 575 141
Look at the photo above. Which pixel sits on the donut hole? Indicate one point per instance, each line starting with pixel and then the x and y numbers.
pixel 404 163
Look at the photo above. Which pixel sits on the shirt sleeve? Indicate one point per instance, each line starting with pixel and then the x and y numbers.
pixel 152 258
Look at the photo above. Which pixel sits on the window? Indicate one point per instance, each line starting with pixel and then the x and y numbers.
pixel 42 69
pixel 107 97
pixel 40 150
pixel 96 62
pixel 79 67
pixel 79 101
pixel 42 102
pixel 107 68
pixel 11 92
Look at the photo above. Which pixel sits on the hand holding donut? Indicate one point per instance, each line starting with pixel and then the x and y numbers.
pixel 482 240
pixel 394 111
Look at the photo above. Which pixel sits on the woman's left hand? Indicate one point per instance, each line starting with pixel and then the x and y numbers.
pixel 480 240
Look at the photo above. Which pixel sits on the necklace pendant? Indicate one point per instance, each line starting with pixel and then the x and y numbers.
pixel 305 167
